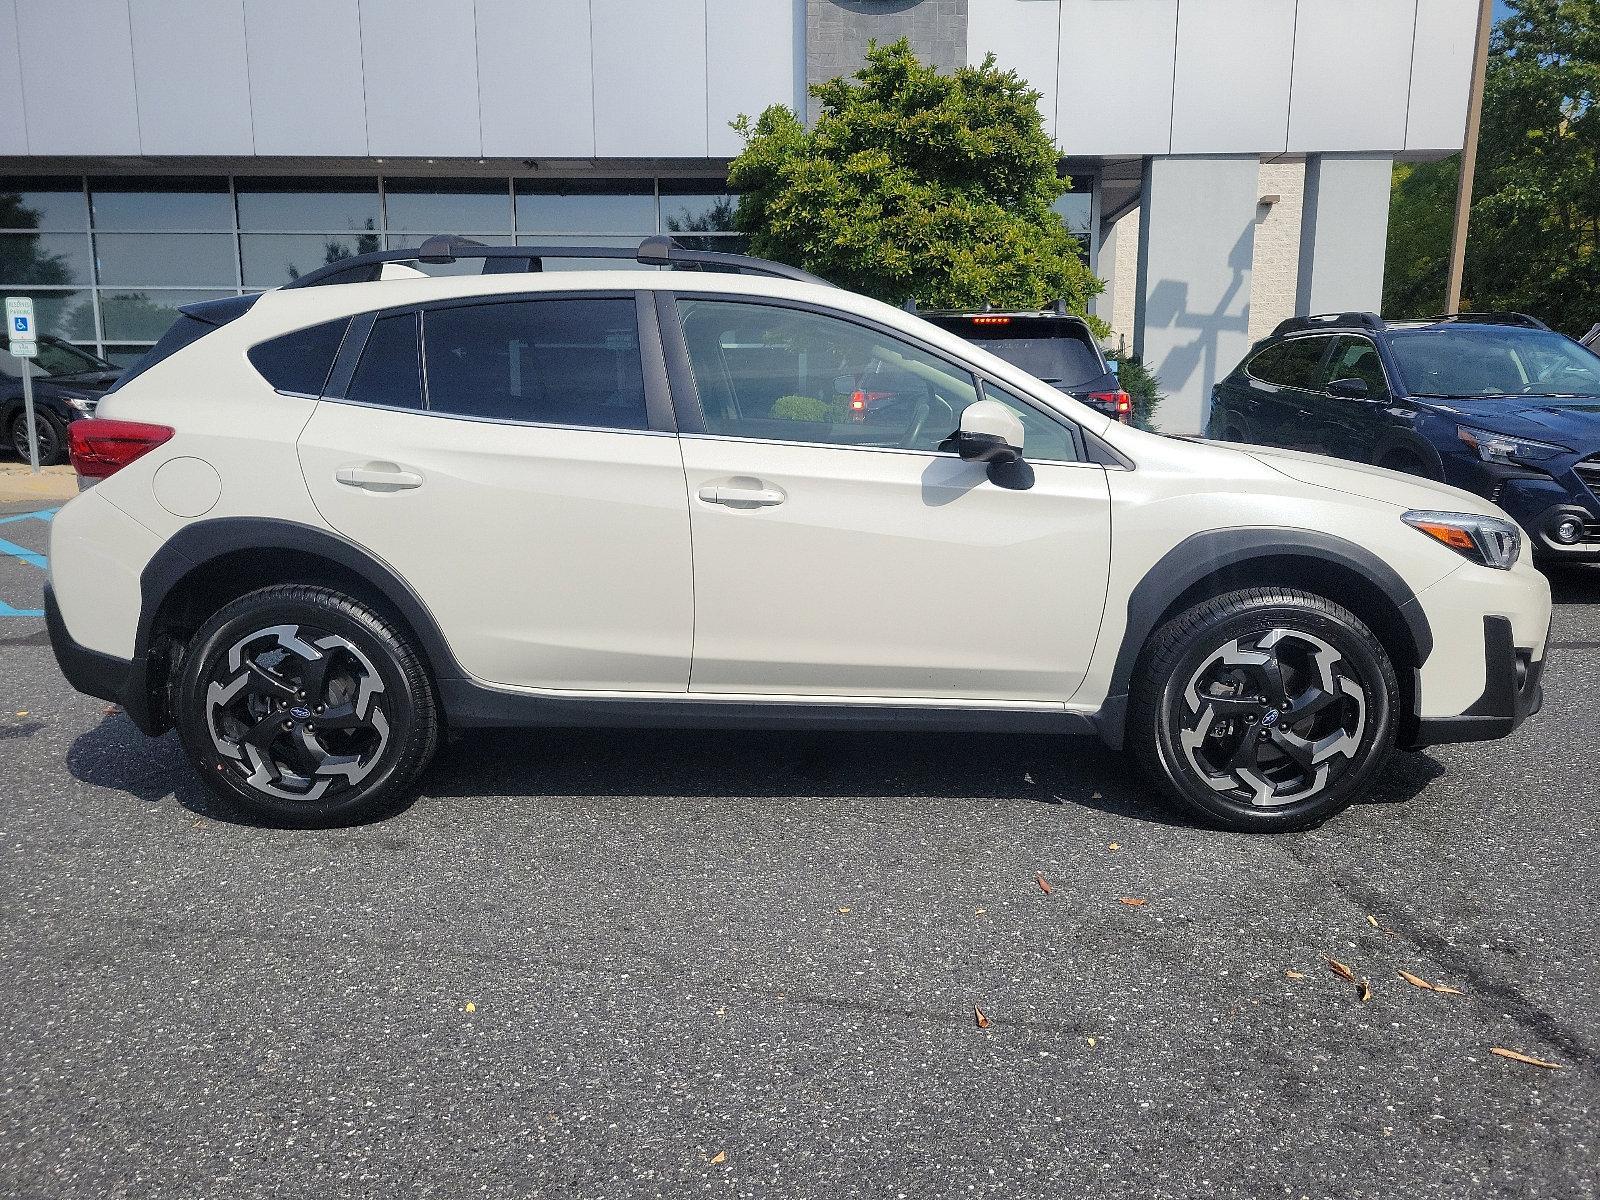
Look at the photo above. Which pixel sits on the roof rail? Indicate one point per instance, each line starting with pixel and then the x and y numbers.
pixel 1490 318
pixel 1344 320
pixel 657 251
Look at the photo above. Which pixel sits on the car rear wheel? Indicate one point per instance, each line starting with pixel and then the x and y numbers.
pixel 52 436
pixel 306 707
pixel 1263 709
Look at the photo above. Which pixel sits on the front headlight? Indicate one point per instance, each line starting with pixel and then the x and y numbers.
pixel 1502 448
pixel 82 404
pixel 1487 541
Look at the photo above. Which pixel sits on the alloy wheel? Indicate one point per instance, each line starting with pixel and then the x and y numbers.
pixel 297 712
pixel 1272 719
pixel 46 434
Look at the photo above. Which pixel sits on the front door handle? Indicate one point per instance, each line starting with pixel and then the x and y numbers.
pixel 378 477
pixel 741 496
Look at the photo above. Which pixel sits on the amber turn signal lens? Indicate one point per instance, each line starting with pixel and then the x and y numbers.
pixel 1456 539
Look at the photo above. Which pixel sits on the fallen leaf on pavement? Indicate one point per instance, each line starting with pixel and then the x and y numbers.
pixel 1339 969
pixel 1090 1041
pixel 23 713
pixel 1132 901
pixel 721 1157
pixel 1445 989
pixel 1114 846
pixel 471 1007
pixel 1372 920
pixel 1524 1058
pixel 1415 980
pixel 983 1021
pixel 846 908
pixel 1295 974
pixel 978 912
pixel 1365 993
pixel 1044 884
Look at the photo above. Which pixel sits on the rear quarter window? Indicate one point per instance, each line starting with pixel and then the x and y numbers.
pixel 300 362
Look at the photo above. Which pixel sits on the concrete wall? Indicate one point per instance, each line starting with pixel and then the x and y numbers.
pixel 662 78
pixel 1343 233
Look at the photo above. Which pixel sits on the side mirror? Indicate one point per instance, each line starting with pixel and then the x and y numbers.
pixel 989 433
pixel 1348 389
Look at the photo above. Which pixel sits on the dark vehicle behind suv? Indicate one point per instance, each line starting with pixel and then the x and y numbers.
pixel 1495 403
pixel 67 384
pixel 1053 345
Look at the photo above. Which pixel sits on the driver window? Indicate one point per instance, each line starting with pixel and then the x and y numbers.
pixel 1357 358
pixel 782 374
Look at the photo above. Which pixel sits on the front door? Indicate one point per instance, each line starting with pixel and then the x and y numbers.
pixel 522 491
pixel 840 551
pixel 1354 428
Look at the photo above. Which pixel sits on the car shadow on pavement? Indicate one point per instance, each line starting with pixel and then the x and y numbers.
pixel 1574 584
pixel 733 764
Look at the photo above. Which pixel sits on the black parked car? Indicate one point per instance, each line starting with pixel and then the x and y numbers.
pixel 1495 403
pixel 1052 345
pixel 67 384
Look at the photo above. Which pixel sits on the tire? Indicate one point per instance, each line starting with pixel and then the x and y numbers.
pixel 305 707
pixel 52 436
pixel 1211 716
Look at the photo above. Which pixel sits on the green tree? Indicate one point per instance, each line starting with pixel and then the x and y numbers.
pixel 1534 238
pixel 915 185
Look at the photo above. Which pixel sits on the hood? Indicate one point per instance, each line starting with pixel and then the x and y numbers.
pixel 1573 421
pixel 83 381
pixel 1373 483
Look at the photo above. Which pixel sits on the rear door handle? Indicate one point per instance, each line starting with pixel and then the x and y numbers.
pixel 378 477
pixel 741 497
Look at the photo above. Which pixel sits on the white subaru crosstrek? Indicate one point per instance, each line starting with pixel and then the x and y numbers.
pixel 329 521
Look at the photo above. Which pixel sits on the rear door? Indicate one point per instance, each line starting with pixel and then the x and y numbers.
pixel 513 460
pixel 1280 394
pixel 846 552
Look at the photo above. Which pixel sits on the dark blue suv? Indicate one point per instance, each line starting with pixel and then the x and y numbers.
pixel 1495 403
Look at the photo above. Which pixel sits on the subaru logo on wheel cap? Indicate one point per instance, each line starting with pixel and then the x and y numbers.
pixel 1272 717
pixel 300 714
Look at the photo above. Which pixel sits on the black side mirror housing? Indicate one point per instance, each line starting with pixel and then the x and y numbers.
pixel 985 447
pixel 1349 389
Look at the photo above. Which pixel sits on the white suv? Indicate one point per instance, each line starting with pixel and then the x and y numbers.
pixel 333 519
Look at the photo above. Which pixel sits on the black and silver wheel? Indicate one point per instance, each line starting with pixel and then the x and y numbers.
pixel 306 706
pixel 1264 709
pixel 51 433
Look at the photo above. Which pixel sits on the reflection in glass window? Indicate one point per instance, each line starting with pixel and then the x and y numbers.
pixel 188 205
pixel 430 206
pixel 628 263
pixel 60 259
pixel 1043 438
pixel 68 315
pixel 166 259
pixel 302 205
pixel 141 316
pixel 692 207
pixel 562 362
pixel 786 375
pixel 44 204
pixel 586 206
pixel 390 370
pixel 272 259
pixel 465 266
pixel 1077 208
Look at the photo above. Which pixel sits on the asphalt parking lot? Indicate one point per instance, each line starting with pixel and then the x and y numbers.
pixel 619 964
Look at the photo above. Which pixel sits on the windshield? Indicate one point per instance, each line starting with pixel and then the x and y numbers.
pixel 1482 362
pixel 1060 360
pixel 55 358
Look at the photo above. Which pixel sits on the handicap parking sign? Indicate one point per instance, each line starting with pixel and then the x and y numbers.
pixel 19 324
pixel 19 319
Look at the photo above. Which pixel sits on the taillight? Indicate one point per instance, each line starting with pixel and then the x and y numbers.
pixel 100 447
pixel 1120 402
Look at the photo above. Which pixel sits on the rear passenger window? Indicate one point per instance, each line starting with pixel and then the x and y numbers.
pixel 389 371
pixel 560 361
pixel 1291 364
pixel 300 361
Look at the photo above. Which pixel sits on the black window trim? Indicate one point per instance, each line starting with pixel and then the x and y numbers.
pixel 657 396
pixel 686 393
pixel 1383 367
pixel 1322 359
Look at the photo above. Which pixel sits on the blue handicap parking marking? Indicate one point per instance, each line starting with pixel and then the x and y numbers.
pixel 33 558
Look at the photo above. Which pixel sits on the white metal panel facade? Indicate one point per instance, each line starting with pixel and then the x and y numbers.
pixel 1230 87
pixel 750 60
pixel 1441 74
pixel 535 78
pixel 419 63
pixel 189 68
pixel 13 119
pixel 1024 36
pixel 649 78
pixel 77 77
pixel 1114 81
pixel 1352 75
pixel 306 92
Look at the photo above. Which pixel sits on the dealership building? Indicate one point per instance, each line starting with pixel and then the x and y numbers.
pixel 1230 159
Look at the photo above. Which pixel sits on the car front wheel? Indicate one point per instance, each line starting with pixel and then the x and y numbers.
pixel 50 431
pixel 305 706
pixel 1264 709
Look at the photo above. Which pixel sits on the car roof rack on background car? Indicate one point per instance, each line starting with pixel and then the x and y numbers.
pixel 1344 320
pixel 657 251
pixel 1486 318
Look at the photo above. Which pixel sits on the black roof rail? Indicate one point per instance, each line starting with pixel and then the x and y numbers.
pixel 657 251
pixel 1489 318
pixel 1344 320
